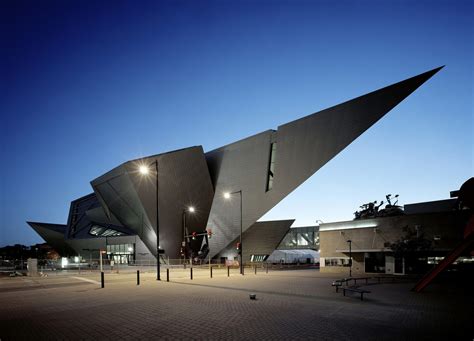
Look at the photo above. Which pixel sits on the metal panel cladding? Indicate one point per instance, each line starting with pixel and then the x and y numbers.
pixel 302 147
pixel 183 181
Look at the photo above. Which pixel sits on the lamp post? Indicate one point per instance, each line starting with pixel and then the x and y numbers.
pixel 227 196
pixel 190 209
pixel 350 257
pixel 144 170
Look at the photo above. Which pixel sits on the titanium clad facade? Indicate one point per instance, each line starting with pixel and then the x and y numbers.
pixel 54 235
pixel 239 166
pixel 302 147
pixel 260 170
pixel 183 181
pixel 87 218
pixel 259 241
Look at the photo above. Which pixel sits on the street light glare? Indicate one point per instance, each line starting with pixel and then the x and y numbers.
pixel 143 170
pixel 227 195
pixel 191 209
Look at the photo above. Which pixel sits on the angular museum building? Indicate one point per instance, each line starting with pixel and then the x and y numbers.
pixel 203 203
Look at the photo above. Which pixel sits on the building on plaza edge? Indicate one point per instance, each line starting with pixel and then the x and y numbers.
pixel 411 242
pixel 258 172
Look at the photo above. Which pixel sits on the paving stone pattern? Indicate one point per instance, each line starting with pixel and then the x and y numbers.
pixel 290 305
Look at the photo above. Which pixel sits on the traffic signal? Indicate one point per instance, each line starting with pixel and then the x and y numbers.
pixel 209 233
pixel 237 246
pixel 194 235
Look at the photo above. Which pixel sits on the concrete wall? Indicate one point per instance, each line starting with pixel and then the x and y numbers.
pixel 375 235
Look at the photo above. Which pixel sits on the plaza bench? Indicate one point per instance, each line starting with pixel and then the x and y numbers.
pixel 359 291
pixel 361 278
pixel 337 283
pixel 379 278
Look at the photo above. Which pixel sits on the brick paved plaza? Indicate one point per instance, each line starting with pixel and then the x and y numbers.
pixel 291 304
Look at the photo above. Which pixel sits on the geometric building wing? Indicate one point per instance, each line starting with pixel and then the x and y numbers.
pixel 78 223
pixel 130 197
pixel 86 218
pixel 53 234
pixel 258 241
pixel 268 166
pixel 98 215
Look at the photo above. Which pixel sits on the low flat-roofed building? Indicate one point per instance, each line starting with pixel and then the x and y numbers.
pixel 404 244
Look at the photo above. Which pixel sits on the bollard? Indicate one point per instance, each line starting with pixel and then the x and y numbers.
pixel 191 273
pixel 138 277
pixel 255 269
pixel 167 274
pixel 211 270
pixel 267 267
pixel 228 271
pixel 102 279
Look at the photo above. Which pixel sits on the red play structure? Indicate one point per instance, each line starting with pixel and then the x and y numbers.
pixel 466 198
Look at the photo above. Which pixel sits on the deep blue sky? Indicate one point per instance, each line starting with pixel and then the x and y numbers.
pixel 87 85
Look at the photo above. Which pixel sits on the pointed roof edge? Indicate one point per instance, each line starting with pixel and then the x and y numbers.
pixel 426 75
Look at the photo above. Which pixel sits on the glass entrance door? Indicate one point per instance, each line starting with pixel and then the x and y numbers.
pixel 399 268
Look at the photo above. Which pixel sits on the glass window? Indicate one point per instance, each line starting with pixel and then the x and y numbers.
pixel 271 166
pixel 302 240
pixel 258 258
pixel 336 261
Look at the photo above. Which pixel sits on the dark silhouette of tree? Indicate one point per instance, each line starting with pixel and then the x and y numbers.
pixel 413 242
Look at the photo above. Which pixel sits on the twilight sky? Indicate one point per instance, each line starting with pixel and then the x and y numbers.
pixel 87 85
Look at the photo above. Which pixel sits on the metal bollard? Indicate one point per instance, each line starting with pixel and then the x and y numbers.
pixel 228 271
pixel 255 269
pixel 267 268
pixel 102 279
pixel 138 277
pixel 211 270
pixel 167 274
pixel 191 273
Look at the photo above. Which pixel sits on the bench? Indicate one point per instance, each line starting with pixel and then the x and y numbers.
pixel 379 278
pixel 337 283
pixel 359 291
pixel 361 278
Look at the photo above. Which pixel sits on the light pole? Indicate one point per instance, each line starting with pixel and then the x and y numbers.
pixel 184 245
pixel 144 170
pixel 227 196
pixel 350 257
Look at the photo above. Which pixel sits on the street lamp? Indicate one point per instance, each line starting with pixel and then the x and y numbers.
pixel 227 196
pixel 190 209
pixel 144 170
pixel 350 257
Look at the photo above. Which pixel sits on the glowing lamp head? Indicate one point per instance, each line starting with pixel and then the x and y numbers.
pixel 143 170
pixel 227 195
pixel 191 209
